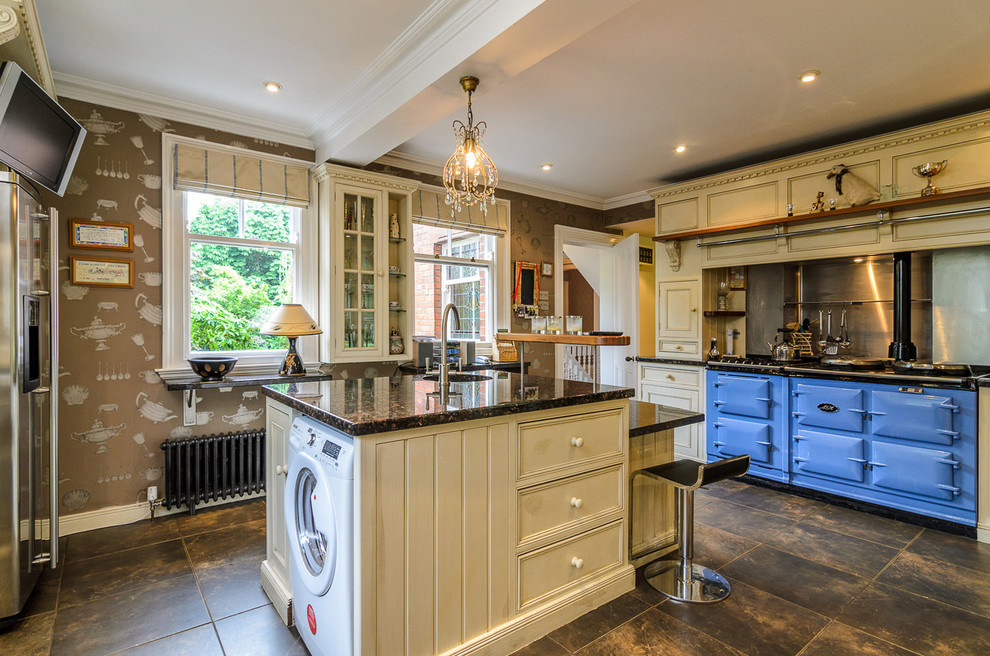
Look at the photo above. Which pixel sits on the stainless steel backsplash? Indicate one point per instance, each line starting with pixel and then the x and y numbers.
pixel 961 306
pixel 781 293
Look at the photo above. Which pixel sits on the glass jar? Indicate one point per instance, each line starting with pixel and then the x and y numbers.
pixel 539 325
pixel 572 324
pixel 554 325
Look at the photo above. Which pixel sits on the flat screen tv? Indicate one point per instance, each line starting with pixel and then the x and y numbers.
pixel 38 138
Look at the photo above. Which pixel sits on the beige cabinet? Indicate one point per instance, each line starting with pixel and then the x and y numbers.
pixel 678 324
pixel 275 573
pixel 367 270
pixel 679 386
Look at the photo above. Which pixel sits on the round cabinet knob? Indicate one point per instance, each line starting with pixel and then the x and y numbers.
pixel 279 469
pixel 576 503
pixel 577 563
pixel 694 309
pixel 670 376
pixel 380 273
pixel 577 442
pixel 680 347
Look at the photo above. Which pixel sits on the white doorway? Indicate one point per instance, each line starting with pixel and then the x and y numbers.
pixel 610 265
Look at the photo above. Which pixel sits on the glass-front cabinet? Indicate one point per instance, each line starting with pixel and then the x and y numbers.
pixel 367 216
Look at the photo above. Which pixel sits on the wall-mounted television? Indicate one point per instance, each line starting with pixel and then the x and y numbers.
pixel 38 138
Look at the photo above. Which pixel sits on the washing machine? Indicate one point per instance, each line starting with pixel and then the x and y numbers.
pixel 319 516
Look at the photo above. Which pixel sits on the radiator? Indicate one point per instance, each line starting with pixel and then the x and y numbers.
pixel 202 469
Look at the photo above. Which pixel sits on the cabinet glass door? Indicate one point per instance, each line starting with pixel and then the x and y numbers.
pixel 360 311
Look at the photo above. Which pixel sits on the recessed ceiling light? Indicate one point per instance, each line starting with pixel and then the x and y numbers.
pixel 810 76
pixel 858 260
pixel 273 87
pixel 680 149
pixel 547 167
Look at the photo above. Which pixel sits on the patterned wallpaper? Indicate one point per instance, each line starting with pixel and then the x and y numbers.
pixel 113 410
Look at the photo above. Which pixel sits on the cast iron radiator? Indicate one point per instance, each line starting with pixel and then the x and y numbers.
pixel 202 469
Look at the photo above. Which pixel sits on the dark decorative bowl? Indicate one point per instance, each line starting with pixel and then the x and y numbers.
pixel 212 367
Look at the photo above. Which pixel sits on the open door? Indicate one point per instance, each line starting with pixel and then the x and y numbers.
pixel 611 268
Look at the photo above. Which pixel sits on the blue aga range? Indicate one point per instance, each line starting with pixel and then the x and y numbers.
pixel 893 438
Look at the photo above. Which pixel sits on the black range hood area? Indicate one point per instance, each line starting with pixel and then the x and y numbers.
pixel 902 348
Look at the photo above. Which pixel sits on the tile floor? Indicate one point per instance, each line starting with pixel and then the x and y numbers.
pixel 181 585
pixel 808 579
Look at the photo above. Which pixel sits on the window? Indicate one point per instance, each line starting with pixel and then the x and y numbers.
pixel 230 259
pixel 461 267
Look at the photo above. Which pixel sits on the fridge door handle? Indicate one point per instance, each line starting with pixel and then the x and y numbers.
pixel 53 386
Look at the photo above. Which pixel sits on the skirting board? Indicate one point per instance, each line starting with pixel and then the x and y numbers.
pixel 135 512
pixel 983 533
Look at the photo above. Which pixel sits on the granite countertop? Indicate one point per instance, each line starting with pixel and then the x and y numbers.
pixel 647 418
pixel 693 363
pixel 409 368
pixel 363 406
pixel 178 381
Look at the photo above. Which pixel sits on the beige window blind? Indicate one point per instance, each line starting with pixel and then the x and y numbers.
pixel 429 208
pixel 225 173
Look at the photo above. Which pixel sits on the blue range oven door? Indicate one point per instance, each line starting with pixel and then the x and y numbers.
pixel 735 438
pixel 916 470
pixel 748 396
pixel 840 407
pixel 921 417
pixel 830 455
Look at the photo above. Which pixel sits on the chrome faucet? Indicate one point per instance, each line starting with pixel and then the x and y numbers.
pixel 444 364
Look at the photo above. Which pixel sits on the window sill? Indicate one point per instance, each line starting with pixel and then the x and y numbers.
pixel 184 379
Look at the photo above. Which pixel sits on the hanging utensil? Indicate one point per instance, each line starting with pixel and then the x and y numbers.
pixel 844 331
pixel 821 328
pixel 98 169
pixel 828 336
pixel 127 171
pixel 106 171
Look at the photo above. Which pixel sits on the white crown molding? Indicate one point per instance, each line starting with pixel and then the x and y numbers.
pixel 141 102
pixel 424 165
pixel 634 198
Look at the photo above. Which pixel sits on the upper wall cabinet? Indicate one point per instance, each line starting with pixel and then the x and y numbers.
pixel 366 264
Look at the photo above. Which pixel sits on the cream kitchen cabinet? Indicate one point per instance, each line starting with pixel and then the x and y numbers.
pixel 366 273
pixel 679 386
pixel 678 311
pixel 276 576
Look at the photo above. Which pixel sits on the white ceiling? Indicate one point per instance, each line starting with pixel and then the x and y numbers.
pixel 603 90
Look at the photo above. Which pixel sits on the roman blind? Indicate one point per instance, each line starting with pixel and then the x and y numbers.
pixel 240 174
pixel 428 207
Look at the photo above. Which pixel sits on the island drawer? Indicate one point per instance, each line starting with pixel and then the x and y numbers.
pixel 678 347
pixel 567 502
pixel 550 444
pixel 670 375
pixel 542 572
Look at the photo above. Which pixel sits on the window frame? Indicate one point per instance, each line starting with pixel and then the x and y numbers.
pixel 499 273
pixel 176 243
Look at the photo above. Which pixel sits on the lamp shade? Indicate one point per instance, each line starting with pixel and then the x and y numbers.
pixel 290 319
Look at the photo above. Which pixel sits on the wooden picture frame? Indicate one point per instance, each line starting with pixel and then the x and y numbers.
pixel 101 272
pixel 547 269
pixel 737 277
pixel 101 235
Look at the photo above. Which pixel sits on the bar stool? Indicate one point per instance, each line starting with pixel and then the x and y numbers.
pixel 680 579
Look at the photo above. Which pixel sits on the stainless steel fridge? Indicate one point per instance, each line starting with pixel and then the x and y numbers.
pixel 28 392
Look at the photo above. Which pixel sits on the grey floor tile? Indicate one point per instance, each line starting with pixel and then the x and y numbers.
pixel 542 647
pixel 922 625
pixel 741 520
pixel 118 538
pixel 953 549
pixel 86 580
pixel 806 583
pixel 200 641
pixel 45 595
pixel 654 633
pixel 840 640
pixel 714 547
pixel 864 526
pixel 836 550
pixel 778 503
pixel 259 632
pixel 752 621
pixel 211 519
pixel 31 636
pixel 723 489
pixel 952 584
pixel 130 618
pixel 596 623
pixel 227 564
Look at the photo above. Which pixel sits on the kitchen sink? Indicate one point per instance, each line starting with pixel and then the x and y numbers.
pixel 458 377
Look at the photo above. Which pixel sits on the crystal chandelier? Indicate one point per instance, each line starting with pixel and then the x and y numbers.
pixel 469 175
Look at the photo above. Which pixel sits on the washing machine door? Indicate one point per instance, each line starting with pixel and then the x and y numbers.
pixel 311 524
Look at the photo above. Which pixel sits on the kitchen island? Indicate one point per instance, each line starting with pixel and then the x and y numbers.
pixel 485 515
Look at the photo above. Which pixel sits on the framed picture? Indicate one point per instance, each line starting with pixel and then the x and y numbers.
pixel 101 272
pixel 737 277
pixel 548 268
pixel 99 234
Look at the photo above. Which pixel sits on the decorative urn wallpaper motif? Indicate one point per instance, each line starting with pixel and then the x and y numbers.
pixel 113 409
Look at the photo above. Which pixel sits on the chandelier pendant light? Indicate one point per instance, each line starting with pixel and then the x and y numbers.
pixel 470 175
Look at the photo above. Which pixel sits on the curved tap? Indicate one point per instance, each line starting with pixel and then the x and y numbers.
pixel 444 365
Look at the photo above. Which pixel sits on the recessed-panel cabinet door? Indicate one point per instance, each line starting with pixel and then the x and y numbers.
pixel 829 455
pixel 828 406
pixel 688 440
pixel 917 470
pixel 748 396
pixel 678 309
pixel 919 417
pixel 735 438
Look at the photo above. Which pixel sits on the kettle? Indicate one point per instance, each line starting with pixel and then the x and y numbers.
pixel 784 350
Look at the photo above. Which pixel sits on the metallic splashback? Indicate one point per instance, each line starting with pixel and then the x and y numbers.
pixel 961 305
pixel 864 289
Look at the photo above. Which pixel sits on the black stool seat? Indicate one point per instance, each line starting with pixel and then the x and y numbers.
pixel 681 579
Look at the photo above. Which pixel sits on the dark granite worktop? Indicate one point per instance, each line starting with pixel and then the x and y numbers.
pixel 410 368
pixel 363 406
pixel 681 361
pixel 647 418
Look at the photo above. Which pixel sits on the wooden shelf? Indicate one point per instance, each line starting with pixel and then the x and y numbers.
pixel 587 340
pixel 827 214
pixel 724 313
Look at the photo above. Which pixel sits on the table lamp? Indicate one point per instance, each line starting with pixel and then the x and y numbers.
pixel 291 320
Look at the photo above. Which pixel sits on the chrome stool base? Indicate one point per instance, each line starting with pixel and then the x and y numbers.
pixel 706 586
